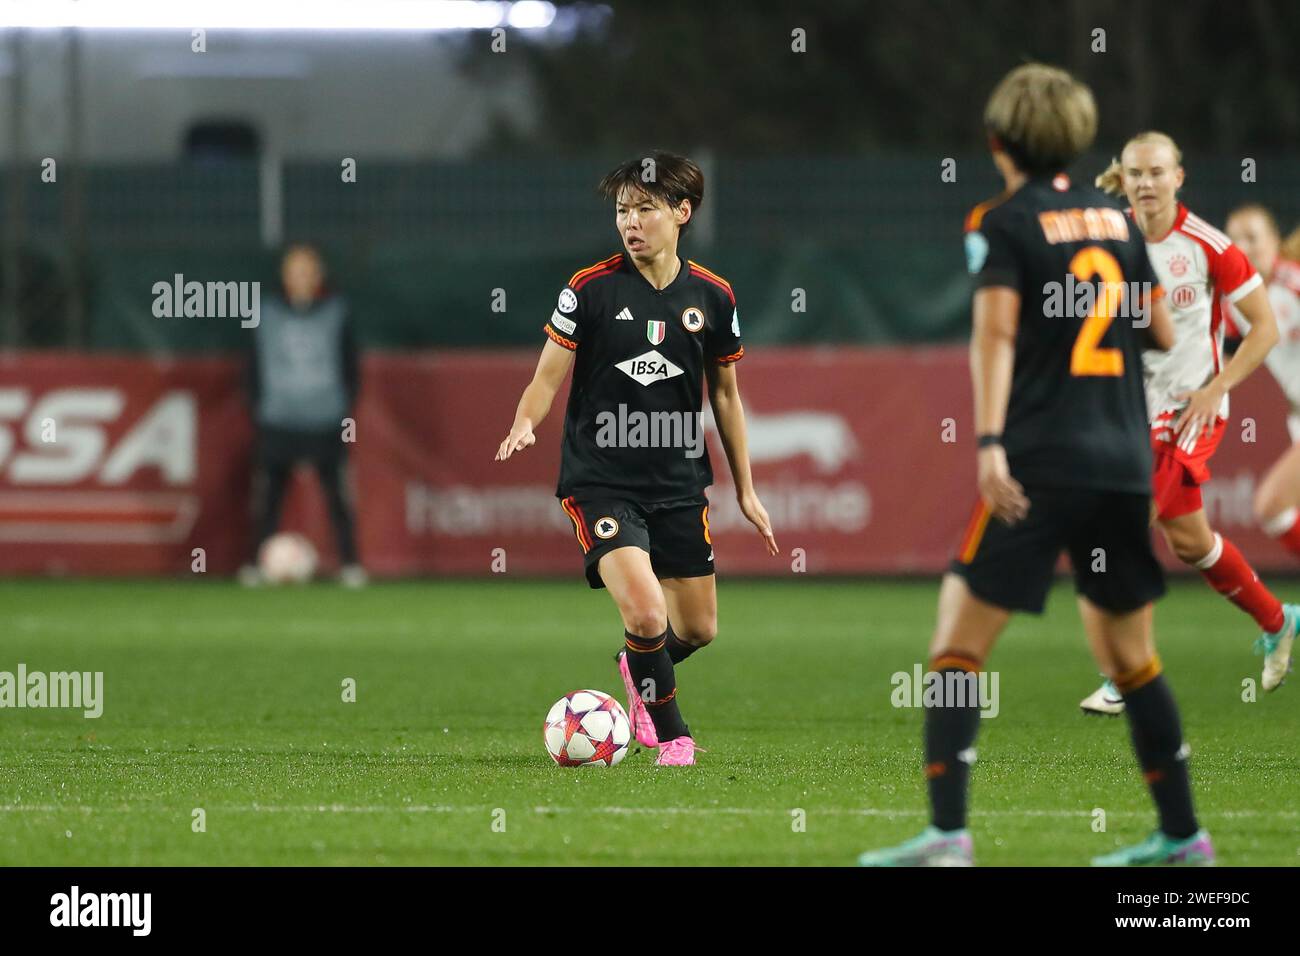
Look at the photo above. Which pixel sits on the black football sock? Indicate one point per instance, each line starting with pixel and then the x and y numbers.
pixel 950 731
pixel 678 649
pixel 648 661
pixel 1158 741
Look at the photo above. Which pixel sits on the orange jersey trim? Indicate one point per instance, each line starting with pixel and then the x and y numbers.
pixel 581 277
pixel 976 215
pixel 733 357
pixel 700 272
pixel 559 339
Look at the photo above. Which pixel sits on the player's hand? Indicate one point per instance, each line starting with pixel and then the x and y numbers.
pixel 1004 495
pixel 1199 415
pixel 753 510
pixel 518 439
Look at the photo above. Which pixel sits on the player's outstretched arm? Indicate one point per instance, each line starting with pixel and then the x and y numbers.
pixel 552 367
pixel 729 414
pixel 1203 404
pixel 995 317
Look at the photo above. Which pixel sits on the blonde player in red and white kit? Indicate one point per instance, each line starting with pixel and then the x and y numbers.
pixel 1254 230
pixel 1188 386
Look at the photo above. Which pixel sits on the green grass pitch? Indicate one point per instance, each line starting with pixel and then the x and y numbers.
pixel 231 701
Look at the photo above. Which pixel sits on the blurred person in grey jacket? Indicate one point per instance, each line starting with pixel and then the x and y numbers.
pixel 303 379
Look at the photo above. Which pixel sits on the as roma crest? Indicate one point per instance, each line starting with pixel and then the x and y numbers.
pixel 692 319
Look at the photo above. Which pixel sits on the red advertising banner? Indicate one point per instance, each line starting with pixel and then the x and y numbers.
pixel 112 465
pixel 863 457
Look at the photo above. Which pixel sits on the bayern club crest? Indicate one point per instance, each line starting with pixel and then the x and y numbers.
pixel 655 331
pixel 1184 295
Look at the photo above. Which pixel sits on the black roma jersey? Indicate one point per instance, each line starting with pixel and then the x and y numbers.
pixel 1077 415
pixel 632 428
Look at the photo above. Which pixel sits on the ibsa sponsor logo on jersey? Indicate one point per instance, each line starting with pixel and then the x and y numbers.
pixel 73 463
pixel 648 368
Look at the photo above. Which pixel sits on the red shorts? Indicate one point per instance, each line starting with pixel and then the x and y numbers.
pixel 1178 473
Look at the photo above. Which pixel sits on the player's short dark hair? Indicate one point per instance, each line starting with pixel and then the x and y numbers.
pixel 1042 117
pixel 663 176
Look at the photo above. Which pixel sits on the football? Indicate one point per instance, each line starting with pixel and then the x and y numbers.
pixel 586 728
pixel 287 558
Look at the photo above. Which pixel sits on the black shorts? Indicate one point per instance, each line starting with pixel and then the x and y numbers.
pixel 675 534
pixel 288 447
pixel 1107 535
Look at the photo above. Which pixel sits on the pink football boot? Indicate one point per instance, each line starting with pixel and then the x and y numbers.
pixel 642 726
pixel 678 752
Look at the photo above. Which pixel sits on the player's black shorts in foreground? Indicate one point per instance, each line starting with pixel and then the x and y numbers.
pixel 1106 534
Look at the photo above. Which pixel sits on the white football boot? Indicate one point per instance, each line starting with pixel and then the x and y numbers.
pixel 1105 701
pixel 1276 649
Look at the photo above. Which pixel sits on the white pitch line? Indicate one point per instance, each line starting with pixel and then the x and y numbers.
pixel 878 812
pixel 619 811
pixel 234 625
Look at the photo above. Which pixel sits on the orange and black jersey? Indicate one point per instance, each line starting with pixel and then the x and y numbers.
pixel 1077 414
pixel 640 352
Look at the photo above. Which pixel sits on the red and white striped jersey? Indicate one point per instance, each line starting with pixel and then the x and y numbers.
pixel 1284 359
pixel 1196 264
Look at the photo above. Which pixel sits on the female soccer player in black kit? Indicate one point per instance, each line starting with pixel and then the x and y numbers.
pixel 1064 459
pixel 643 331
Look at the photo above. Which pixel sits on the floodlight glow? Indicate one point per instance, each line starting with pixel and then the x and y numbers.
pixel 413 15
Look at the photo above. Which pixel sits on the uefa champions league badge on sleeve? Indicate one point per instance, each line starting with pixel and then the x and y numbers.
pixel 568 301
pixel 977 250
